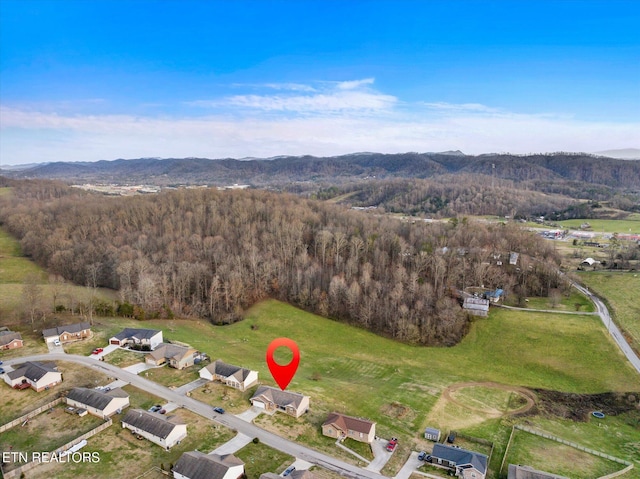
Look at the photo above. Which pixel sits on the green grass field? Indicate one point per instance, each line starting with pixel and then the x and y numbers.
pixel 621 291
pixel 630 225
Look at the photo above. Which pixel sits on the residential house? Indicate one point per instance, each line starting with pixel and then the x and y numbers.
pixel 233 376
pixel 10 340
pixel 272 399
pixel 297 474
pixel 196 465
pixel 39 376
pixel 432 434
pixel 176 356
pixel 161 430
pixel 67 333
pixel 340 426
pixel 466 464
pixel 138 337
pixel 476 306
pixel 526 472
pixel 98 403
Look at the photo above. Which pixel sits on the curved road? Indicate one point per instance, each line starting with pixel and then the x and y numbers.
pixel 614 331
pixel 202 409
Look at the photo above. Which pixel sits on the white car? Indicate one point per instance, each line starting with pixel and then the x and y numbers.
pixel 57 342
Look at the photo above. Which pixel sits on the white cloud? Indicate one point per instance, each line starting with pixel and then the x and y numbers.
pixel 354 84
pixel 460 107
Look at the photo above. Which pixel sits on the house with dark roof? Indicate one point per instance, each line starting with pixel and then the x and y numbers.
pixel 465 464
pixel 138 337
pixel 432 434
pixel 98 403
pixel 476 306
pixel 196 465
pixel 233 376
pixel 526 472
pixel 67 333
pixel 341 426
pixel 297 474
pixel 161 430
pixel 39 376
pixel 272 400
pixel 10 340
pixel 174 355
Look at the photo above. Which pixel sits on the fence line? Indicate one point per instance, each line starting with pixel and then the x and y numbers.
pixel 30 414
pixel 506 451
pixel 619 473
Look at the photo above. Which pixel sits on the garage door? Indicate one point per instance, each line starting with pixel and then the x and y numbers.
pixel 114 341
pixel 259 404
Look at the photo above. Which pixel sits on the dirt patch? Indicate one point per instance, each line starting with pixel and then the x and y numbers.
pixel 528 395
pixel 397 410
pixel 579 407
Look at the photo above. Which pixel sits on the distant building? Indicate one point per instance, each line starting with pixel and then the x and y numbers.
pixel 233 376
pixel 39 376
pixel 476 306
pixel 513 258
pixel 67 333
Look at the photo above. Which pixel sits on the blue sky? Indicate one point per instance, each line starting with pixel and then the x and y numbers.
pixel 90 80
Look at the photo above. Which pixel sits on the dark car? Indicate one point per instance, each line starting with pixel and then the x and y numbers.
pixel 288 471
pixel 391 446
pixel 219 410
pixel 422 456
pixel 162 411
pixel 155 408
pixel 451 438
pixel 428 458
pixel 1 371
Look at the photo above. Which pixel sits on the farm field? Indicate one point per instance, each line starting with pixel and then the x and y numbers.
pixel 618 289
pixel 630 225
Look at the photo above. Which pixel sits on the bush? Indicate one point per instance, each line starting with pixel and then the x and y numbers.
pixel 256 440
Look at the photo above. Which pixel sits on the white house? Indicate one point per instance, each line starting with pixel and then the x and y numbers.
pixel 163 431
pixel 39 376
pixel 138 337
pixel 196 465
pixel 233 376
pixel 98 403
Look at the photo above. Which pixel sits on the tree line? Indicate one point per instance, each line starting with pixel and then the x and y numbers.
pixel 209 253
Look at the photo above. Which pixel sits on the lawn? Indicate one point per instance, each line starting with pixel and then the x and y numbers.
pixel 575 301
pixel 621 293
pixel 631 225
pixel 123 358
pixel 172 377
pixel 259 459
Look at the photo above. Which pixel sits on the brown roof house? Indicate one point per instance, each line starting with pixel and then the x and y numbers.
pixel 163 431
pixel 138 337
pixel 67 333
pixel 196 465
pixel 176 356
pixel 340 426
pixel 39 376
pixel 526 472
pixel 233 376
pixel 10 340
pixel 98 403
pixel 272 399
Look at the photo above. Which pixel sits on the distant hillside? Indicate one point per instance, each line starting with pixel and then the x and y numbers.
pixel 580 167
pixel 622 154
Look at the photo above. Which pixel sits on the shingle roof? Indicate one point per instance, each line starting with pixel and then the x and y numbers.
pixel 346 423
pixel 127 333
pixel 171 351
pixel 302 474
pixel 228 370
pixel 33 370
pixel 196 465
pixel 526 472
pixel 69 328
pixel 93 398
pixel 7 336
pixel 154 424
pixel 432 431
pixel 460 456
pixel 276 396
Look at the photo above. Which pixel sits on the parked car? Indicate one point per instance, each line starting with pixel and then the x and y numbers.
pixel 451 437
pixel 57 342
pixel 391 445
pixel 1 371
pixel 97 351
pixel 288 471
pixel 155 408
pixel 219 410
pixel 422 456
pixel 428 458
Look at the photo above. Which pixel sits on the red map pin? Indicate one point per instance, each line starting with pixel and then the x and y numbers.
pixel 283 374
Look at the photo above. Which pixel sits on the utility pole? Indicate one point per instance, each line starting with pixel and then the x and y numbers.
pixel 493 174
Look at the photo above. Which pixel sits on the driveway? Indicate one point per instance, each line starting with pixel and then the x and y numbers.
pixel 139 367
pixel 409 467
pixel 233 445
pixel 250 414
pixel 380 455
pixel 184 389
pixel 55 349
pixel 108 349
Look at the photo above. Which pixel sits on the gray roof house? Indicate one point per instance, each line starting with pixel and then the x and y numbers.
pixel 98 403
pixel 466 464
pixel 163 431
pixel 68 332
pixel 272 399
pixel 39 376
pixel 196 465
pixel 10 340
pixel 140 337
pixel 476 306
pixel 526 472
pixel 233 376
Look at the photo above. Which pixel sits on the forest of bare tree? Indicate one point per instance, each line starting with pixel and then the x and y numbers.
pixel 209 253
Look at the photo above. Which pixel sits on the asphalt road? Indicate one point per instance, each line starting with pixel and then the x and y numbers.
pixel 614 331
pixel 204 410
